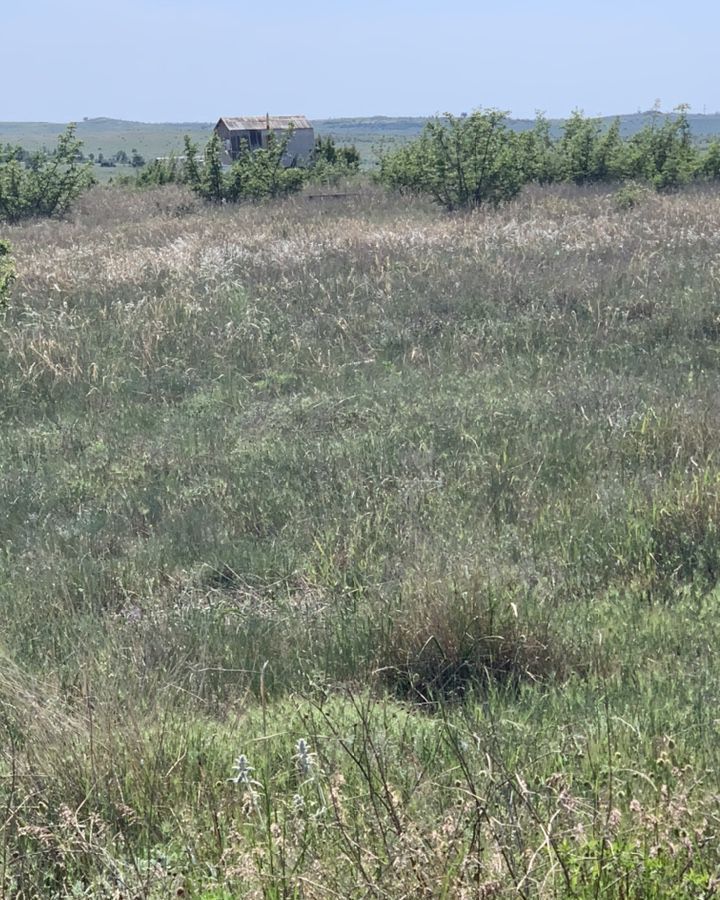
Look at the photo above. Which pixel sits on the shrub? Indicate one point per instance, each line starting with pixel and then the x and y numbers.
pixel 7 271
pixel 45 186
pixel 629 196
pixel 468 161
pixel 664 154
pixel 459 162
pixel 160 172
pixel 330 163
pixel 539 158
pixel 444 642
pixel 578 147
pixel 255 174
pixel 211 183
pixel 587 153
pixel 710 163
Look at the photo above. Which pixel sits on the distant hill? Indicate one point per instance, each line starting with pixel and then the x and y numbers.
pixel 151 139
pixel 108 136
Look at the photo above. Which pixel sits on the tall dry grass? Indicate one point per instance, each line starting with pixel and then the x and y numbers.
pixel 437 495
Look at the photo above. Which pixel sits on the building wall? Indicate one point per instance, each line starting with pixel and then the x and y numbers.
pixel 300 148
pixel 299 151
pixel 223 131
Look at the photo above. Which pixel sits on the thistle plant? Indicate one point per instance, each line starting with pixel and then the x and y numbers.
pixel 242 771
pixel 304 759
pixel 247 784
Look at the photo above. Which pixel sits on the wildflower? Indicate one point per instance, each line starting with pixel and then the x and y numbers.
pixel 243 770
pixel 304 759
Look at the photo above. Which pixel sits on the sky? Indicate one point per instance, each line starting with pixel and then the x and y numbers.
pixel 195 60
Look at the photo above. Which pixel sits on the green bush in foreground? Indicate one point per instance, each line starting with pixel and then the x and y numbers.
pixel 45 186
pixel 459 162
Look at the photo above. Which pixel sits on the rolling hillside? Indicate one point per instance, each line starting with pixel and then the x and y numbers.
pixel 108 136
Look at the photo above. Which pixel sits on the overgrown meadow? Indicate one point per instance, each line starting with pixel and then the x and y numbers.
pixel 354 549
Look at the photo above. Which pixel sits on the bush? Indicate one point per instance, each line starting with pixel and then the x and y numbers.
pixel 664 155
pixel 7 271
pixel 539 158
pixel 459 162
pixel 255 174
pixel 45 186
pixel 630 195
pixel 331 163
pixel 160 172
pixel 710 164
pixel 468 161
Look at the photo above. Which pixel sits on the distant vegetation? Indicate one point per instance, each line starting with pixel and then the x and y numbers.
pixel 368 134
pixel 468 161
pixel 46 183
pixel 254 175
pixel 459 162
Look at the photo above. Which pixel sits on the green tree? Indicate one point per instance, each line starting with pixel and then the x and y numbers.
pixel 212 181
pixel 538 153
pixel 710 163
pixel 578 148
pixel 663 152
pixel 608 155
pixel 459 162
pixel 191 169
pixel 331 163
pixel 45 184
pixel 159 172
pixel 257 174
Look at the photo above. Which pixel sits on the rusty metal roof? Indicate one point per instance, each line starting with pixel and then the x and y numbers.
pixel 255 123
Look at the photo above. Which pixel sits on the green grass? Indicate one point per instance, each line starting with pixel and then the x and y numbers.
pixel 438 495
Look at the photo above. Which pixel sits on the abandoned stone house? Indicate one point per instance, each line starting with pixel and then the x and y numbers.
pixel 234 131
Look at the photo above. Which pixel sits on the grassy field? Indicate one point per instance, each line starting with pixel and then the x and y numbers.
pixel 362 551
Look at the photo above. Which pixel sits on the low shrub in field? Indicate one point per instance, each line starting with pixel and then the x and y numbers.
pixel 459 162
pixel 630 196
pixel 7 271
pixel 444 642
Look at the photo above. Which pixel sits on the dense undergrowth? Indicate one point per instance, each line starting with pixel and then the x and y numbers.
pixel 413 517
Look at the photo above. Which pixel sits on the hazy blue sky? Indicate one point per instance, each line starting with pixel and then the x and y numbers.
pixel 187 60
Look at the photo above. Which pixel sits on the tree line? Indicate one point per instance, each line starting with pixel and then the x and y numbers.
pixel 460 162
pixel 472 160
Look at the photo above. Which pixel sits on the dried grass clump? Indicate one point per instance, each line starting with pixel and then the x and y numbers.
pixel 443 641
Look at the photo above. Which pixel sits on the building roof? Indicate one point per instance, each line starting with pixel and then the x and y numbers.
pixel 260 123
